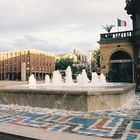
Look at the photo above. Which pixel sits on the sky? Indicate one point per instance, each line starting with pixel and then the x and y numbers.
pixel 58 26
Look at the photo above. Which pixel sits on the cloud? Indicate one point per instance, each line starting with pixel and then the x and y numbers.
pixel 56 25
pixel 56 46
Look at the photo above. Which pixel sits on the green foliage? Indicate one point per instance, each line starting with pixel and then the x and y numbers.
pixel 96 58
pixel 62 64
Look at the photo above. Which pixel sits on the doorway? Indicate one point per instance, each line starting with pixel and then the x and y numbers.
pixel 120 67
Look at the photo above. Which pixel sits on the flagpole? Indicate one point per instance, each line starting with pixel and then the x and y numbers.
pixel 117 26
pixel 126 28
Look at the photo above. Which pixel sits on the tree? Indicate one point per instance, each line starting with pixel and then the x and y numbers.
pixel 62 64
pixel 108 28
pixel 96 56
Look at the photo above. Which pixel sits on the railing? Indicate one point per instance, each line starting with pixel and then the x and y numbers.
pixel 116 35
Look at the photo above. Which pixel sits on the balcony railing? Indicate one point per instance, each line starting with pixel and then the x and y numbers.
pixel 115 36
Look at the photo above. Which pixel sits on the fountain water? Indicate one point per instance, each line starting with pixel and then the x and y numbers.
pixel 32 80
pixel 98 79
pixel 57 78
pixel 83 79
pixel 47 80
pixel 68 78
pixel 78 78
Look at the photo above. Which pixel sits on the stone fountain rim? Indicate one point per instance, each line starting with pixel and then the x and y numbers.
pixel 89 92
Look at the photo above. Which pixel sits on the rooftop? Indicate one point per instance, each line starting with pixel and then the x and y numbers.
pixel 27 50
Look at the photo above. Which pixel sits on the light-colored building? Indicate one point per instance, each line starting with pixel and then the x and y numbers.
pixel 76 55
pixel 81 58
pixel 20 64
pixel 67 56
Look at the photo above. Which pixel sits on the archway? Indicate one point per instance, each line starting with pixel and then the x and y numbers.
pixel 120 67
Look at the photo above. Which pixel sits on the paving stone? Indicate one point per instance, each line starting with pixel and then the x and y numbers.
pixel 88 124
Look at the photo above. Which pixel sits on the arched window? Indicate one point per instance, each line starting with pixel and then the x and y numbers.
pixel 120 55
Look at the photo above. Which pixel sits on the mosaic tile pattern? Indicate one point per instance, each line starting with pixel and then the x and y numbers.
pixel 93 124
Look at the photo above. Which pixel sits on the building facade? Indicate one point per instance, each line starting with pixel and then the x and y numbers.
pixel 117 56
pixel 133 9
pixel 76 55
pixel 120 51
pixel 19 65
pixel 78 58
pixel 81 58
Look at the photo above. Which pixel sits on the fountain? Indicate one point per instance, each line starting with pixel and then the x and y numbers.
pixel 57 78
pixel 84 95
pixel 32 80
pixel 47 80
pixel 83 79
pixel 98 79
pixel 68 78
pixel 79 79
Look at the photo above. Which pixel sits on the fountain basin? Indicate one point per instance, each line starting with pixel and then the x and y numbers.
pixel 76 99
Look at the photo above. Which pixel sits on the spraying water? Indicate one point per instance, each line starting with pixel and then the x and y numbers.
pixel 82 79
pixel 57 78
pixel 68 78
pixel 32 80
pixel 98 79
pixel 47 80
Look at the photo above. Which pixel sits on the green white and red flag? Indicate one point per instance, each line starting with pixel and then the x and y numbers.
pixel 121 22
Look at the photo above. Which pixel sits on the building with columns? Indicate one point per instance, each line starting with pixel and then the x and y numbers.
pixel 20 64
pixel 120 51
